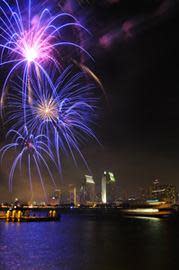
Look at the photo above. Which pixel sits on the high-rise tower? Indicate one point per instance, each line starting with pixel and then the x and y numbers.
pixel 108 187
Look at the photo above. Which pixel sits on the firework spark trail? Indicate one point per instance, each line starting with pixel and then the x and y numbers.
pixel 32 45
pixel 64 115
pixel 48 114
pixel 32 149
pixel 91 74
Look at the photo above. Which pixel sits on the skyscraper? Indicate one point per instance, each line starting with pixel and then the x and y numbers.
pixel 103 188
pixel 72 194
pixel 87 191
pixel 108 187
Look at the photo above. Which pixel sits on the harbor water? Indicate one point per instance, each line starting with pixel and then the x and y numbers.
pixel 87 243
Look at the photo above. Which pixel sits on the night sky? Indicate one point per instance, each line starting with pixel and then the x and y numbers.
pixel 140 69
pixel 135 46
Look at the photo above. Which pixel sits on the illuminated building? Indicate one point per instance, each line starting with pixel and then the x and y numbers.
pixel 57 193
pixel 72 194
pixel 103 188
pixel 155 185
pixel 66 195
pixel 108 188
pixel 56 197
pixel 87 191
pixel 166 193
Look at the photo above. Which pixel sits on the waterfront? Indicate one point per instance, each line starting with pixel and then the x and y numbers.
pixel 79 242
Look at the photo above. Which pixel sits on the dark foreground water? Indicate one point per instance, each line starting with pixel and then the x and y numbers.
pixel 78 243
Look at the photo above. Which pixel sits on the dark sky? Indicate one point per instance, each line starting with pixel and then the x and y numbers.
pixel 135 46
pixel 141 77
pixel 139 68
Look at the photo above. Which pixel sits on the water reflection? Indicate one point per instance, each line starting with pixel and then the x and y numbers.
pixel 83 243
pixel 146 218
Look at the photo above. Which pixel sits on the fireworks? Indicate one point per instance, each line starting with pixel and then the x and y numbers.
pixel 64 115
pixel 30 44
pixel 49 108
pixel 32 148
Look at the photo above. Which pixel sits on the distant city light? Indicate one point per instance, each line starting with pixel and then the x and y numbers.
pixel 89 179
pixel 112 178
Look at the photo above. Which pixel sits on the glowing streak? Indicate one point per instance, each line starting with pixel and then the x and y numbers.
pixel 90 73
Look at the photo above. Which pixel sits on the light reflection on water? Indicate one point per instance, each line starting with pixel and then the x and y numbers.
pixel 78 243
pixel 146 218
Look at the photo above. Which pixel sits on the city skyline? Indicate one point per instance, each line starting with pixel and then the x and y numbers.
pixel 139 133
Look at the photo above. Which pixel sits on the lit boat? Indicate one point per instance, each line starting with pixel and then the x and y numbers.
pixel 28 216
pixel 151 212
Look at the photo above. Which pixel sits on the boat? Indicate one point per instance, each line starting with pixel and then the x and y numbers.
pixel 148 212
pixel 20 216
